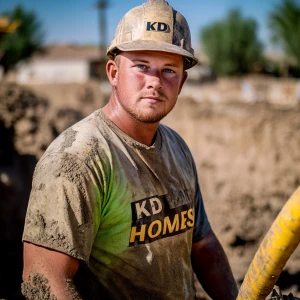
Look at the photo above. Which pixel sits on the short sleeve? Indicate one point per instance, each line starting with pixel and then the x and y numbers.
pixel 63 209
pixel 202 225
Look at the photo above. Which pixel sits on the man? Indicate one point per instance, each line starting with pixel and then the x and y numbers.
pixel 116 210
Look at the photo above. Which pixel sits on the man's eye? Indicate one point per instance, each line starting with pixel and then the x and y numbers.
pixel 142 67
pixel 168 71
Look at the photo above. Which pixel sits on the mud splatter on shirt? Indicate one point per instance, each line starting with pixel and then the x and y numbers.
pixel 129 211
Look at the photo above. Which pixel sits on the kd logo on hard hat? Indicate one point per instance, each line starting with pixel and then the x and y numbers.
pixel 157 26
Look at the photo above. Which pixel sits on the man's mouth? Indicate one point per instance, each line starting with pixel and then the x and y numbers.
pixel 152 98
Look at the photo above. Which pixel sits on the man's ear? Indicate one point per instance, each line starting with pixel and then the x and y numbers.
pixel 184 78
pixel 112 72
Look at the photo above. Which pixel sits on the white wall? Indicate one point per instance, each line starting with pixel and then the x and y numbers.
pixel 60 71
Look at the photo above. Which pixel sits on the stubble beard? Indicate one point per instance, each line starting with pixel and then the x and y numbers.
pixel 142 116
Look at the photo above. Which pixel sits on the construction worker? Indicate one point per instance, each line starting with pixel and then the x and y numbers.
pixel 116 210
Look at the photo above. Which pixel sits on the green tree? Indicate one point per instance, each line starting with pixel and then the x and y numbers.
pixel 284 23
pixel 24 41
pixel 232 45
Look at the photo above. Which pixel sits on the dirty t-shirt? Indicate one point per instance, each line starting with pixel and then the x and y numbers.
pixel 129 211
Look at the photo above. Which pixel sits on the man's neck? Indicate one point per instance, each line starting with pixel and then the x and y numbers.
pixel 143 133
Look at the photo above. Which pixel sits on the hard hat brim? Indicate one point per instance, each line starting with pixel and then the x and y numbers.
pixel 149 45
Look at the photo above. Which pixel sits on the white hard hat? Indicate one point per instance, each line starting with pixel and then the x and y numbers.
pixel 154 26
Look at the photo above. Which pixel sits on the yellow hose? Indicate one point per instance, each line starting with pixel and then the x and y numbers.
pixel 276 248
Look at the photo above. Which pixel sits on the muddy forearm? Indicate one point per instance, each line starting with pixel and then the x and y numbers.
pixel 38 286
pixel 48 274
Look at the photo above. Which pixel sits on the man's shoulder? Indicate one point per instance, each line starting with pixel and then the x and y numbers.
pixel 80 139
pixel 169 133
pixel 174 143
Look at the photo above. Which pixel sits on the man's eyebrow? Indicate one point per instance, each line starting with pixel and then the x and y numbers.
pixel 139 60
pixel 172 65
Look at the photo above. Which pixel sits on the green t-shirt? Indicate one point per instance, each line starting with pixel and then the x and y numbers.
pixel 129 211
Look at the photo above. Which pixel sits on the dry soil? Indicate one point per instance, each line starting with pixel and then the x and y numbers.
pixel 247 156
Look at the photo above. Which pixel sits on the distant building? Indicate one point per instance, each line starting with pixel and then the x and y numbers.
pixel 62 64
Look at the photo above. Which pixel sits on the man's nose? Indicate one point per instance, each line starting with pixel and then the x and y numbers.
pixel 154 80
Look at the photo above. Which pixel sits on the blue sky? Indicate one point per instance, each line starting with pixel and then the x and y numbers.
pixel 76 21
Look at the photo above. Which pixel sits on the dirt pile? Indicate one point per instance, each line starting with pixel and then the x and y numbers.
pixel 29 121
pixel 247 157
pixel 21 114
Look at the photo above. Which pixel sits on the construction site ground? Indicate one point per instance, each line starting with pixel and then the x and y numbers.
pixel 246 152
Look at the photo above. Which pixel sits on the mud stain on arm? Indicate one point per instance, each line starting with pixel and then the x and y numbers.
pixel 38 288
pixel 71 290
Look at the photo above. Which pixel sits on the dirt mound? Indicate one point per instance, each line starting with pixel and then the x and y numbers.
pixel 22 113
pixel 28 124
pixel 247 157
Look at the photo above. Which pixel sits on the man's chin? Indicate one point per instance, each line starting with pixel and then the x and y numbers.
pixel 149 118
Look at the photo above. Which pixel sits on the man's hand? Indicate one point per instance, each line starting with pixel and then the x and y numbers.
pixel 211 266
pixel 48 274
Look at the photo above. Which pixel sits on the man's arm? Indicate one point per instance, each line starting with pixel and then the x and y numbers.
pixel 212 268
pixel 48 274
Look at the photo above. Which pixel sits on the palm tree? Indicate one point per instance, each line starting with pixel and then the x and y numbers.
pixel 24 41
pixel 284 23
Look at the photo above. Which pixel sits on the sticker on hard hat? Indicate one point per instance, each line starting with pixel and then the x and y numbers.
pixel 157 26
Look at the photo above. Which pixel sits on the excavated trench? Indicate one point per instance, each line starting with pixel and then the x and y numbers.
pixel 247 156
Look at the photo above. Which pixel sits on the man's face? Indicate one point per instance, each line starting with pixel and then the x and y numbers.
pixel 147 83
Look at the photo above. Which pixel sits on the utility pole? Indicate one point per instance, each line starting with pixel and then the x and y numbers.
pixel 102 6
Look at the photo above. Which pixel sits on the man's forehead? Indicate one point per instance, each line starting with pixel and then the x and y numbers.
pixel 147 55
